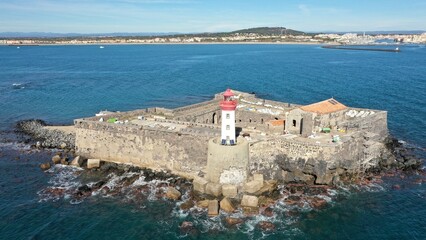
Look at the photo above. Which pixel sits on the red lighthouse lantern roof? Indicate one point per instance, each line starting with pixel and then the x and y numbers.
pixel 228 93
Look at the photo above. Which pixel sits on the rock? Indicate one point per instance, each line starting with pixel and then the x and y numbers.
pixel 200 184
pixel 396 187
pixel 250 210
pixel 64 161
pixel 214 189
pixel 63 145
pixel 213 209
pixel 38 144
pixel 268 212
pixel 326 179
pixel 233 221
pixel 253 186
pixel 249 201
pixel 292 200
pixel 268 188
pixel 186 226
pixel 173 193
pixel 203 203
pixel 56 159
pixel 229 190
pixel 266 226
pixel 93 163
pixel 258 177
pixel 186 205
pixel 45 166
pixel 318 203
pixel 226 205
pixel 77 161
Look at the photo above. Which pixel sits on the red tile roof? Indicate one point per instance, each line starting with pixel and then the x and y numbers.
pixel 324 107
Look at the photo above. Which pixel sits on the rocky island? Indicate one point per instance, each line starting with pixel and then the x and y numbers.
pixel 235 146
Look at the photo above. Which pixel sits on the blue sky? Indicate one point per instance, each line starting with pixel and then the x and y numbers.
pixel 102 16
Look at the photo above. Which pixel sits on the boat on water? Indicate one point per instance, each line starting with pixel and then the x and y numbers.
pixel 101 47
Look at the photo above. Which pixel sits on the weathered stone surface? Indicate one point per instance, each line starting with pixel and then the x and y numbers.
pixel 229 190
pixel 258 177
pixel 173 193
pixel 63 145
pixel 250 210
pixel 249 201
pixel 214 189
pixel 318 203
pixel 203 203
pixel 226 205
pixel 93 163
pixel 56 159
pixel 253 186
pixel 200 184
pixel 77 161
pixel 213 209
pixel 64 161
pixel 187 205
pixel 45 166
pixel 233 221
pixel 266 226
pixel 298 176
pixel 268 187
pixel 324 179
pixel 268 212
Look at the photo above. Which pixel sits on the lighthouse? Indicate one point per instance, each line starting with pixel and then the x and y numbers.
pixel 228 106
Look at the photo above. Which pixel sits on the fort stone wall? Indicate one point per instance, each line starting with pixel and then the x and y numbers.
pixel 132 144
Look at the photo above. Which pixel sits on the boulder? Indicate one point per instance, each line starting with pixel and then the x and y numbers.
pixel 213 209
pixel 200 184
pixel 93 163
pixel 77 161
pixel 56 159
pixel 258 177
pixel 186 205
pixel 249 201
pixel 186 226
pixel 173 193
pixel 268 212
pixel 203 204
pixel 233 221
pixel 318 203
pixel 253 186
pixel 226 205
pixel 266 226
pixel 64 161
pixel 44 166
pixel 214 189
pixel 229 190
pixel 63 145
pixel 268 187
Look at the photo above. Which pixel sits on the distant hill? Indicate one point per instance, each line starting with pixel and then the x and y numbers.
pixel 270 31
pixel 259 30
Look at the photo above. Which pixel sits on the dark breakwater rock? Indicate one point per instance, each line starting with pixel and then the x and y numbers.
pixel 47 138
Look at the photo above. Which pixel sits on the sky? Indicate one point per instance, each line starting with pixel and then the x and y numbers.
pixel 108 16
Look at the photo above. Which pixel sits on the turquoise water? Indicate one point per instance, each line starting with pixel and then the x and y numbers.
pixel 60 83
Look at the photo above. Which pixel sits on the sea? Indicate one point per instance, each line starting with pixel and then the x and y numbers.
pixel 60 83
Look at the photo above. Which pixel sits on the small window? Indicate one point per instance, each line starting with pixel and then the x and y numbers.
pixel 294 123
pixel 228 127
pixel 227 116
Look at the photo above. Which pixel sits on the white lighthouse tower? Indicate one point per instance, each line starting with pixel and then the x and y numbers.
pixel 228 106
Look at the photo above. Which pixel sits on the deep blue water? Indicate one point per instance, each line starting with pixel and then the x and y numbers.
pixel 60 83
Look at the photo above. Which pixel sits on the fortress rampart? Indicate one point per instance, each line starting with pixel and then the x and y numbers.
pixel 294 150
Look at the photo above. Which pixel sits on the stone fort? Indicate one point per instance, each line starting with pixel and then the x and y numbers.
pixel 283 141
